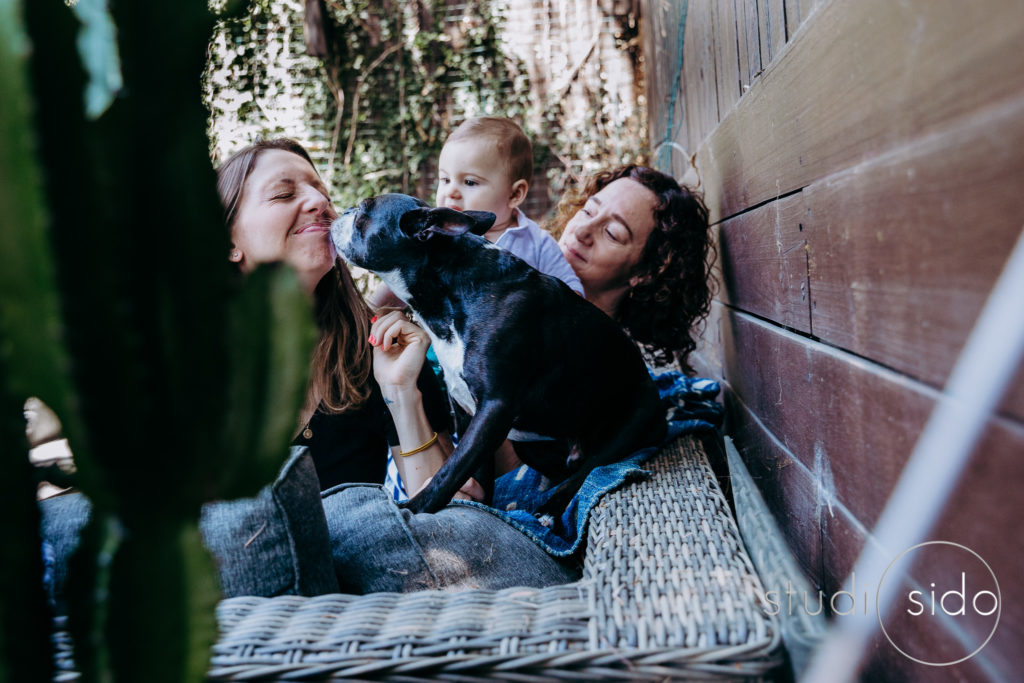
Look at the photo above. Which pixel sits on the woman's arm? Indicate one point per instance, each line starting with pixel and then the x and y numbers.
pixel 399 349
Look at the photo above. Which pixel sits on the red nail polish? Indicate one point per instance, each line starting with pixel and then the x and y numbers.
pixel 373 319
pixel 373 340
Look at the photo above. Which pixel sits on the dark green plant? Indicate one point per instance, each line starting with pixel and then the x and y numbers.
pixel 175 384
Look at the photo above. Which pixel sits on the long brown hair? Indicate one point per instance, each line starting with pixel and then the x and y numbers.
pixel 340 369
pixel 672 291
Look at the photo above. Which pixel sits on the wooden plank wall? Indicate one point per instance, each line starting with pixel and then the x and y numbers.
pixel 863 164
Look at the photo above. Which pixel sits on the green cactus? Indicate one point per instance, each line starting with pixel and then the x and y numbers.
pixel 175 383
pixel 29 348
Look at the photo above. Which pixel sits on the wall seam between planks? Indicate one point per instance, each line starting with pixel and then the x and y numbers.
pixel 712 15
pixel 949 625
pixel 819 579
pixel 739 70
pixel 1005 418
pixel 752 207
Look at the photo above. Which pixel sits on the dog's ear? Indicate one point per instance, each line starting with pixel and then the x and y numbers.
pixel 425 223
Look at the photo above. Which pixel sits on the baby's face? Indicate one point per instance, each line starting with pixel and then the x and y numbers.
pixel 471 177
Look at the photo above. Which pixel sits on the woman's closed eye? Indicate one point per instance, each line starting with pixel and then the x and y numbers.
pixel 617 234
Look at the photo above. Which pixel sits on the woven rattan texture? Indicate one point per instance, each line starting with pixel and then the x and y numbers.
pixel 668 592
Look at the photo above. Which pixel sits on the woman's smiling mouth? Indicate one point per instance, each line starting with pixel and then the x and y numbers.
pixel 318 226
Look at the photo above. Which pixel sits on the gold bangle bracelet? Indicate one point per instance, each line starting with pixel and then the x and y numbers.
pixel 430 442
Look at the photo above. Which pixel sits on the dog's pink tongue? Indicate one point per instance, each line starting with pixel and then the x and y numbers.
pixel 334 252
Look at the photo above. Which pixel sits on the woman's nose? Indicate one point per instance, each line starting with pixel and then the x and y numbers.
pixel 316 202
pixel 583 230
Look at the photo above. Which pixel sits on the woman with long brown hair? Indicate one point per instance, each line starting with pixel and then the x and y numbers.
pixel 364 393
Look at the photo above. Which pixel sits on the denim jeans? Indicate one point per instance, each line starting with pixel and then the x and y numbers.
pixel 287 540
pixel 378 546
pixel 62 520
pixel 275 543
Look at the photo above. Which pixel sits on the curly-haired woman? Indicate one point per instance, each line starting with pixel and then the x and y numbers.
pixel 639 243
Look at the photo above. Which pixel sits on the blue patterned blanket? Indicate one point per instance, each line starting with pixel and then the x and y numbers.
pixel 690 407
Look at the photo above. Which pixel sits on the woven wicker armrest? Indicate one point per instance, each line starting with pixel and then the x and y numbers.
pixel 667 592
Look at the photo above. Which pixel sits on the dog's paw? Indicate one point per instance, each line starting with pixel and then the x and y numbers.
pixel 554 506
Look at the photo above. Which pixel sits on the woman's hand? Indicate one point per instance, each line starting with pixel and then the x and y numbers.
pixel 399 348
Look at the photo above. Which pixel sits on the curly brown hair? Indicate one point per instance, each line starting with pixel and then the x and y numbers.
pixel 671 291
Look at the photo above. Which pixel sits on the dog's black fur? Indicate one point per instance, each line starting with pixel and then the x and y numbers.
pixel 518 348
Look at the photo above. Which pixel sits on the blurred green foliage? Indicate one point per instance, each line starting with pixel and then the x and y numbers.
pixel 175 381
pixel 399 76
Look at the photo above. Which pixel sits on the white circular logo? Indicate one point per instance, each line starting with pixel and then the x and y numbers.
pixel 950 581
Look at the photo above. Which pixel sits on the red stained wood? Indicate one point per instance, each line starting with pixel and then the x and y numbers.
pixel 984 513
pixel 787 487
pixel 884 663
pixel 898 129
pixel 701 97
pixel 706 359
pixel 843 539
pixel 841 417
pixel 763 260
pixel 727 71
pixel 788 394
pixel 905 249
pixel 861 79
pixel 854 425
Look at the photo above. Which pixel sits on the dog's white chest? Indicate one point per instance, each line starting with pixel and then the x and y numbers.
pixel 451 354
pixel 396 283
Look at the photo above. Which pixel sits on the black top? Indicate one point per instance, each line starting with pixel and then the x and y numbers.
pixel 352 446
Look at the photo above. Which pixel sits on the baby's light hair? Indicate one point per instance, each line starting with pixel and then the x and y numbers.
pixel 512 143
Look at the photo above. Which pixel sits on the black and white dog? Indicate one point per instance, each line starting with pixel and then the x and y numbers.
pixel 519 349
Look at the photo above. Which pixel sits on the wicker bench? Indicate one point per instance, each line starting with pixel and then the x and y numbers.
pixel 668 592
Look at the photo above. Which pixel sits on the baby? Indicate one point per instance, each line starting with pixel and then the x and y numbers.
pixel 487 165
